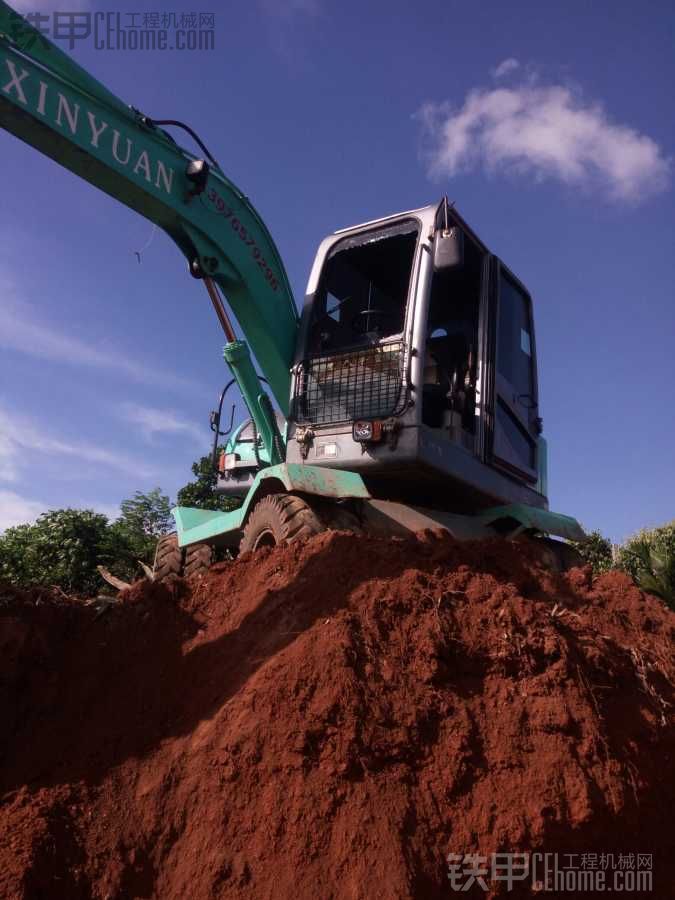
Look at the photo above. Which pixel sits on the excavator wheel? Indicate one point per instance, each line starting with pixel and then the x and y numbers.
pixel 198 558
pixel 279 519
pixel 168 558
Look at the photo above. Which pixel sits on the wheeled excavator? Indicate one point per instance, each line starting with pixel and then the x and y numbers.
pixel 402 397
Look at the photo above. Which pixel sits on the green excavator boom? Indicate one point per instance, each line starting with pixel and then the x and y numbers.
pixel 54 105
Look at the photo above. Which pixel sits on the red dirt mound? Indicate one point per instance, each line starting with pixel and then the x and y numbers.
pixel 330 721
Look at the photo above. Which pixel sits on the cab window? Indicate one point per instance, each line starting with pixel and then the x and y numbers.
pixel 363 290
pixel 449 392
pixel 514 350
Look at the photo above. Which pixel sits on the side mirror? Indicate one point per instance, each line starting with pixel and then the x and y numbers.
pixel 448 248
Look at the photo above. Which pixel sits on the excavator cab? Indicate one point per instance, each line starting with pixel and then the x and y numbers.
pixel 416 366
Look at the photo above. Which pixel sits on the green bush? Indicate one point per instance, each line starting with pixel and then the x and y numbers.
pixel 596 551
pixel 201 493
pixel 649 556
pixel 133 537
pixel 64 547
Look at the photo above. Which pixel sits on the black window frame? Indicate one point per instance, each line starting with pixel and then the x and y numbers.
pixel 531 429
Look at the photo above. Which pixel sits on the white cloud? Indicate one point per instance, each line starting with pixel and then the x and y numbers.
pixel 18 434
pixel 544 132
pixel 17 510
pixel 153 421
pixel 21 329
pixel 506 67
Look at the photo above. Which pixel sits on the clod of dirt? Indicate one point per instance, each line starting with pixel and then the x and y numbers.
pixel 330 721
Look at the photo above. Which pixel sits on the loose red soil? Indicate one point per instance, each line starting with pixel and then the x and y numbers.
pixel 330 721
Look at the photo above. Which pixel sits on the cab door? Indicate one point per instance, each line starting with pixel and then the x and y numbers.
pixel 516 423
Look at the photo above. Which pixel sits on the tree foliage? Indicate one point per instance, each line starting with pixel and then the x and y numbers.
pixel 596 551
pixel 148 514
pixel 649 556
pixel 133 537
pixel 201 492
pixel 64 547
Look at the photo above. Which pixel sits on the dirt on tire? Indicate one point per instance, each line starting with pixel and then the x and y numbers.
pixel 280 519
pixel 330 720
pixel 168 558
pixel 198 559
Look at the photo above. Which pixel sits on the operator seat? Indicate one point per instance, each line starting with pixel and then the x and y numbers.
pixel 448 359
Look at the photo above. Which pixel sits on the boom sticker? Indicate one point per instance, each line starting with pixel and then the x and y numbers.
pixel 222 209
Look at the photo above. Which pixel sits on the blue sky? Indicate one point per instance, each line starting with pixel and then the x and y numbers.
pixel 551 126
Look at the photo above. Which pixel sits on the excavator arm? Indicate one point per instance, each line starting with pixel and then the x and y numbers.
pixel 54 105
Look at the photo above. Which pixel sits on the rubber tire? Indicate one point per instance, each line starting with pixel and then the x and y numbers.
pixel 198 559
pixel 280 519
pixel 168 558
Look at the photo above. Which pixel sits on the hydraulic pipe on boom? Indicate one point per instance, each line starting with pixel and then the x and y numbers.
pixel 54 105
pixel 220 310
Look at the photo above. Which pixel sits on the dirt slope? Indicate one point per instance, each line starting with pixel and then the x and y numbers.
pixel 329 721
